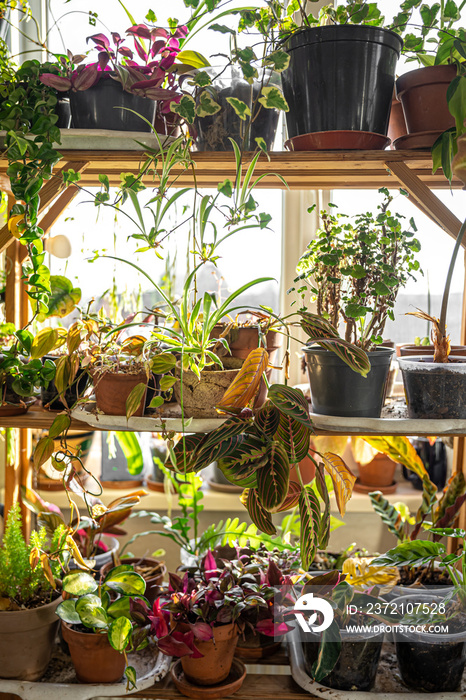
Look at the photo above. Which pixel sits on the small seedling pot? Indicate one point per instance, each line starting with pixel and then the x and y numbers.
pixel 431 663
pixel 434 390
pixel 357 664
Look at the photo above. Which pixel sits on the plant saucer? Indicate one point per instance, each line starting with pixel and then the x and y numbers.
pixel 208 692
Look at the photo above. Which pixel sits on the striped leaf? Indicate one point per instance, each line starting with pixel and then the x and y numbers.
pixel 294 437
pixel 241 468
pixel 350 354
pixel 416 553
pixel 316 326
pixel 342 477
pixel 292 497
pixel 245 385
pixel 401 450
pixel 273 479
pixel 134 399
pixel 390 516
pixel 309 512
pixel 451 512
pixel 455 487
pixel 267 419
pixel 259 516
pixel 183 456
pixel 291 402
pixel 221 441
pixel 324 527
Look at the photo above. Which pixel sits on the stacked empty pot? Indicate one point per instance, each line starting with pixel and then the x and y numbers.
pixel 423 95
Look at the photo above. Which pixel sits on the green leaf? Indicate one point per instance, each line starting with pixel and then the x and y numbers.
pixel 93 616
pixel 192 58
pixel 79 583
pixel 162 363
pixel 225 187
pixel 130 675
pixel 186 108
pixel 278 60
pixel 457 102
pixel 412 554
pixel 240 107
pixel 126 582
pixel 272 98
pixel 157 401
pixel 66 611
pixel 222 28
pixel 329 652
pixel 389 515
pixel 60 425
pixel 207 105
pixel 131 448
pixel 119 633
pixel 120 608
pixel 294 436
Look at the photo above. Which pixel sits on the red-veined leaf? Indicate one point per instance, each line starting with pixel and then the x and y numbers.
pixel 294 437
pixel 273 479
pixel 245 385
pixel 291 402
pixel 259 516
pixel 309 512
pixel 292 497
pixel 267 419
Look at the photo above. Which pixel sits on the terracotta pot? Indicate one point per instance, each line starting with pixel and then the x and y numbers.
pixel 94 660
pixel 200 396
pixel 307 470
pixel 379 472
pixel 256 646
pixel 242 340
pixel 113 388
pixel 26 641
pixel 397 124
pixel 217 658
pixel 416 350
pixel 153 583
pixel 423 94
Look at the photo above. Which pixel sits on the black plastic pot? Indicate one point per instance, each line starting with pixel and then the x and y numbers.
pixel 105 105
pixel 340 77
pixel 434 390
pixel 213 133
pixel 431 663
pixel 357 664
pixel 434 458
pixel 336 390
pixel 49 396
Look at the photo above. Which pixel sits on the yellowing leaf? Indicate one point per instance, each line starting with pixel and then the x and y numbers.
pixel 133 345
pixel 246 383
pixel 44 562
pixel 13 223
pixel 330 443
pixel 342 477
pixel 359 572
pixel 77 556
pixel 399 449
pixel 44 342
pixel 363 453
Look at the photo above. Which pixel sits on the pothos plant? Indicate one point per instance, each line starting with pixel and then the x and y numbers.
pixel 353 270
pixel 93 607
pixel 258 448
pixel 29 118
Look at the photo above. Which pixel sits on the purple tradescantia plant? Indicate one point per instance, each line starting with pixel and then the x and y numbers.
pixel 218 593
pixel 154 76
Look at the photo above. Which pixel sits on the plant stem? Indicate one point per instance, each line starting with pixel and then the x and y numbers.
pixel 446 293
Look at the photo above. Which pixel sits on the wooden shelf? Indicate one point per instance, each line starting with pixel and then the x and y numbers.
pixel 268 679
pixel 302 170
